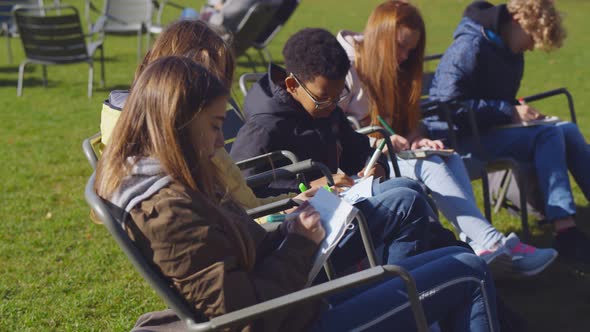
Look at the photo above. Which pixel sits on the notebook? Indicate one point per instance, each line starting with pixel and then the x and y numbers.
pixel 423 153
pixel 543 121
pixel 336 215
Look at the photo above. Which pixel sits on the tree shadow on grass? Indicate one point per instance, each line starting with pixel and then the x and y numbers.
pixel 558 299
pixel 109 88
pixel 14 69
pixel 27 83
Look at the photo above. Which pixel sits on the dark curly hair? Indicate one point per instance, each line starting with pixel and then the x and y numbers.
pixel 314 52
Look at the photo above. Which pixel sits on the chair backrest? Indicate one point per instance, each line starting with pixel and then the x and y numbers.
pixel 247 79
pixel 6 7
pixel 234 120
pixel 111 216
pixel 51 34
pixel 283 13
pixel 428 74
pixel 255 20
pixel 124 16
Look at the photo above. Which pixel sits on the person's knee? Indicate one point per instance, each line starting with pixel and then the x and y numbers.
pixel 401 183
pixel 407 201
pixel 475 263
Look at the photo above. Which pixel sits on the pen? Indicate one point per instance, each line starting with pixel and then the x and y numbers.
pixel 281 217
pixel 303 188
pixel 388 127
pixel 374 158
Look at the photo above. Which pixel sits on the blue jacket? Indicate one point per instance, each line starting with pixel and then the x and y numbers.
pixel 479 70
pixel 275 121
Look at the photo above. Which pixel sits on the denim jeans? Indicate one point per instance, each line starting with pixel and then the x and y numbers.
pixel 399 219
pixel 553 149
pixel 455 289
pixel 447 179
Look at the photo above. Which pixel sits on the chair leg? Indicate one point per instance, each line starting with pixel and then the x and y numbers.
pixel 485 187
pixel 268 55
pixel 505 183
pixel 44 75
pixel 90 78
pixel 8 48
pixel 139 46
pixel 524 215
pixel 21 73
pixel 102 79
pixel 250 61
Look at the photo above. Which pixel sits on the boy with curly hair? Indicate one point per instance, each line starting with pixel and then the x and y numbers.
pixel 482 70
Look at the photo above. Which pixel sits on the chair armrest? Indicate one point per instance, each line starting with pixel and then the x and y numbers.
pixel 341 284
pixel 385 134
pixel 267 158
pixel 432 57
pixel 551 93
pixel 443 110
pixel 271 208
pixel 290 171
pixel 89 151
pixel 248 77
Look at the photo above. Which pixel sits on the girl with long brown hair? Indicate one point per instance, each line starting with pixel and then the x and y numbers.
pixel 385 81
pixel 160 173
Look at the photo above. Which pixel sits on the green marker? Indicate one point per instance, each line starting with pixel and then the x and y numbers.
pixel 302 187
pixel 389 129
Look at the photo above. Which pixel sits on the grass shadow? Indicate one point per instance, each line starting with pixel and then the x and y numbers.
pixel 14 69
pixel 109 88
pixel 27 83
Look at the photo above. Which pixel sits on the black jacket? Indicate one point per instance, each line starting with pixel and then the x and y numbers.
pixel 275 121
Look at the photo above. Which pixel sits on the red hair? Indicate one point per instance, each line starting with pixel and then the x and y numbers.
pixel 394 90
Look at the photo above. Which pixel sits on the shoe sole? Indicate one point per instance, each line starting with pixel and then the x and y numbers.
pixel 540 269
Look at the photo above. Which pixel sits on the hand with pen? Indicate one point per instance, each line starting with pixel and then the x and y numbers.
pixel 340 180
pixel 400 143
pixel 305 221
pixel 524 112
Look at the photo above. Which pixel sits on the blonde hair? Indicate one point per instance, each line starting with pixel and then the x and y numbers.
pixel 541 20
pixel 169 94
pixel 199 41
pixel 394 90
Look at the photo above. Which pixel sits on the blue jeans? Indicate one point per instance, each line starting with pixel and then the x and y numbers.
pixel 553 149
pixel 449 183
pixel 455 289
pixel 399 219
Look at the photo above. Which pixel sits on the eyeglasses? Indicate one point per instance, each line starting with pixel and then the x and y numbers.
pixel 322 105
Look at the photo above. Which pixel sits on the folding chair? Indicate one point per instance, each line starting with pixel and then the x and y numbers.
pixel 112 218
pixel 283 13
pixel 53 36
pixel 478 164
pixel 128 17
pixel 250 27
pixel 247 79
pixel 7 26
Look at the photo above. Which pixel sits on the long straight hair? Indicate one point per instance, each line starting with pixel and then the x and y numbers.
pixel 165 98
pixel 199 41
pixel 394 91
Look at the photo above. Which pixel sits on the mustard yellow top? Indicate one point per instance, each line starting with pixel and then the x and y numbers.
pixel 234 182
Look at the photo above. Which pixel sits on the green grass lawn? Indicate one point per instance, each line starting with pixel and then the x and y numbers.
pixel 59 271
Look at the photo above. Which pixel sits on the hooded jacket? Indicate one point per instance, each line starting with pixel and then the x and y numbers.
pixel 199 246
pixel 479 70
pixel 276 121
pixel 234 182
